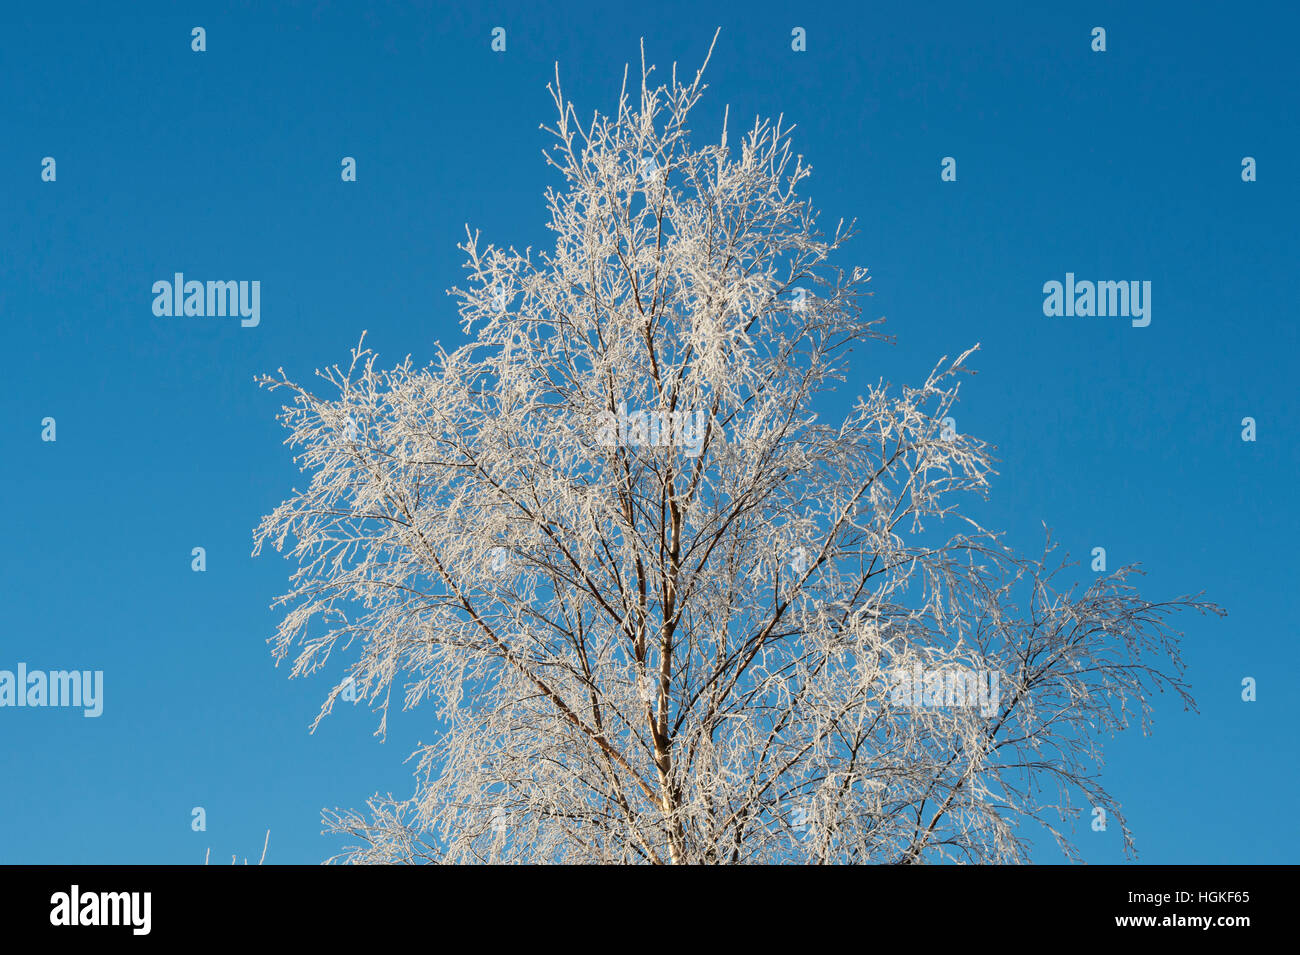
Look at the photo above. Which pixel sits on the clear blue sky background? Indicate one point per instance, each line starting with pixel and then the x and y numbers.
pixel 225 165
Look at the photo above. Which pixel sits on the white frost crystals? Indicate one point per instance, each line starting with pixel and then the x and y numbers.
pixel 683 647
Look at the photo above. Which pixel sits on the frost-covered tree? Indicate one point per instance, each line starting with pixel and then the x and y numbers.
pixel 663 610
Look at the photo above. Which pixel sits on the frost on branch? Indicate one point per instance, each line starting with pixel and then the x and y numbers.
pixel 662 610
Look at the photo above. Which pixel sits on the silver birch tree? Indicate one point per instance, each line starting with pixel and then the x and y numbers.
pixel 663 610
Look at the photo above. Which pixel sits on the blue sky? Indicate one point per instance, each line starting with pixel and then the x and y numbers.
pixel 225 164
